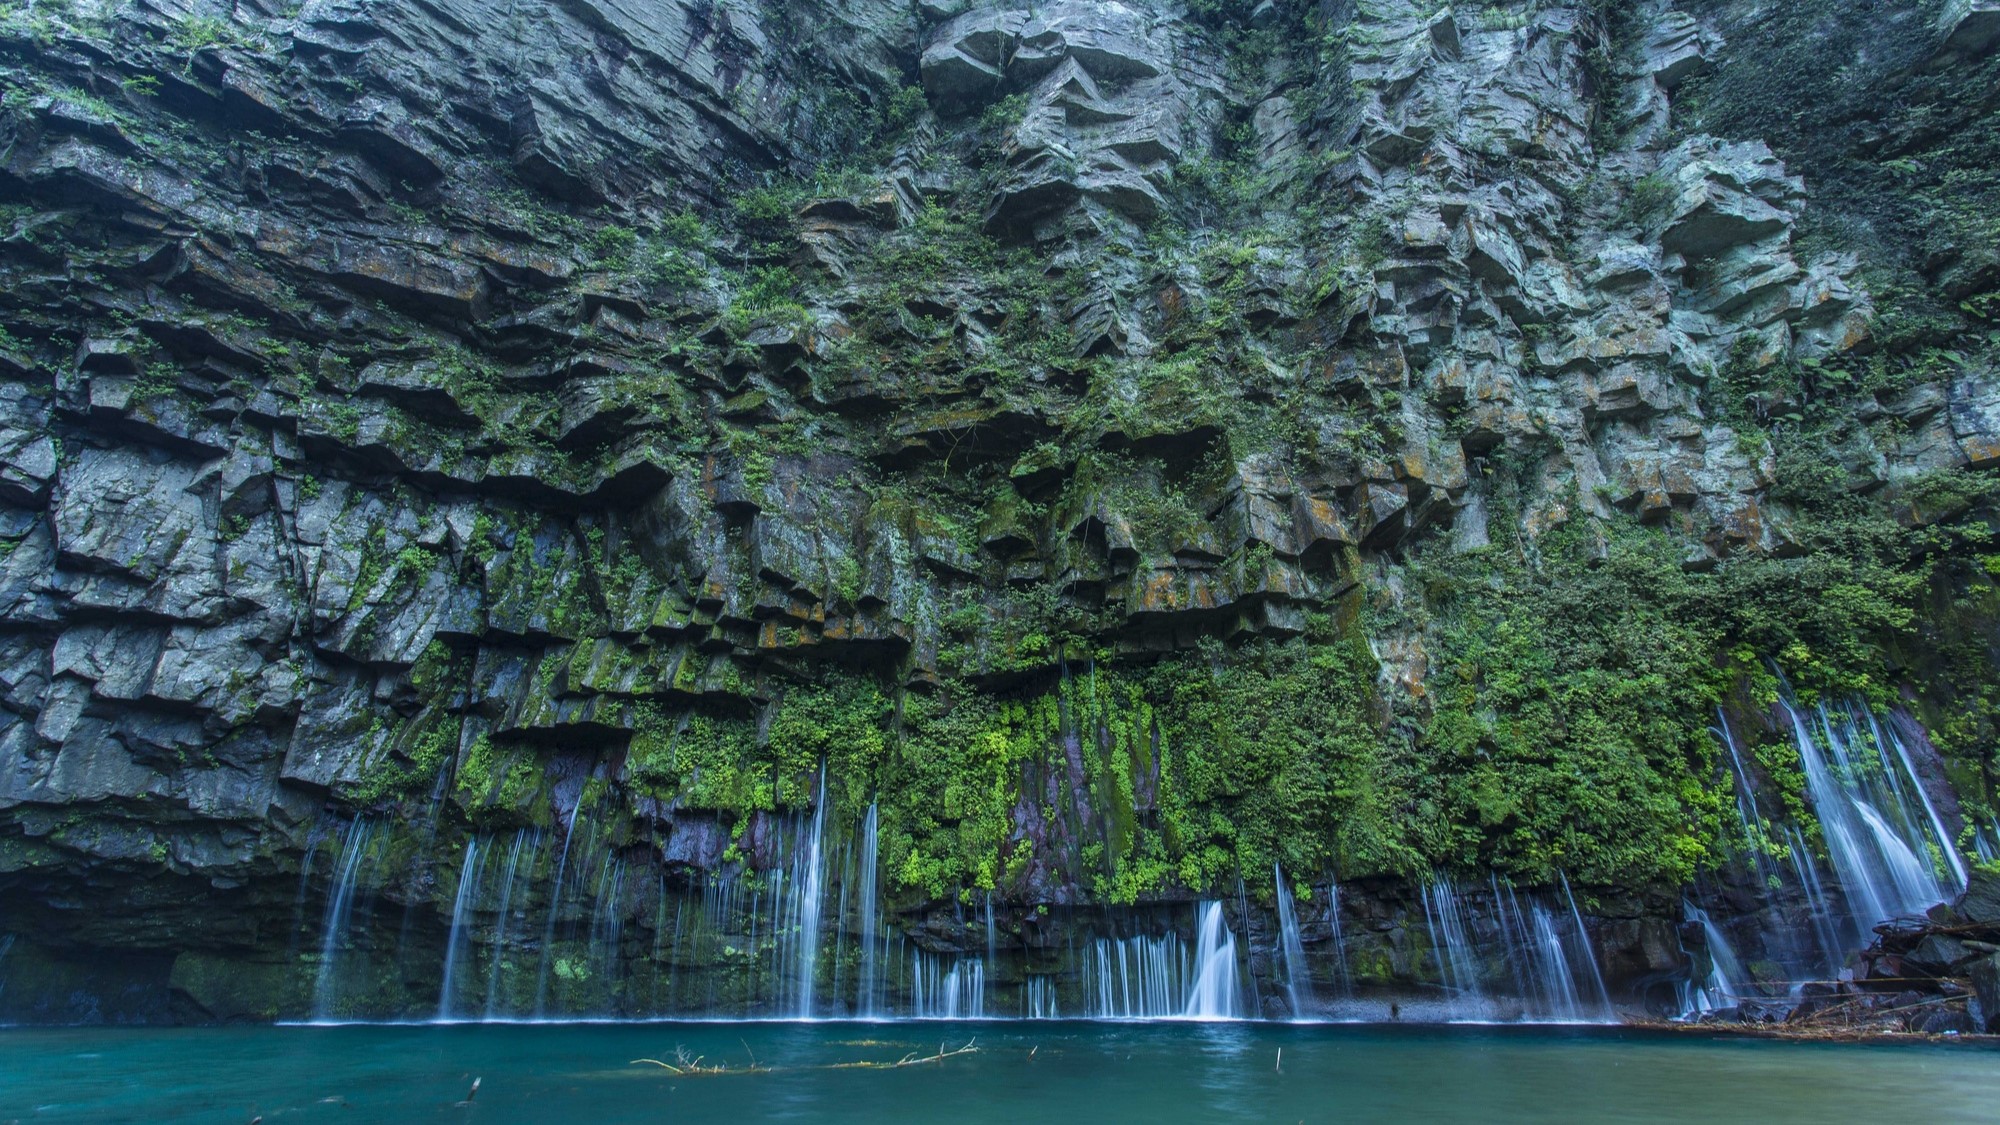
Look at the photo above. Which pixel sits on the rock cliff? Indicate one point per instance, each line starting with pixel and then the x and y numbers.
pixel 1108 448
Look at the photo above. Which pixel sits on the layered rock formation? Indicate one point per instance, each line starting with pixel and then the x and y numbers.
pixel 452 416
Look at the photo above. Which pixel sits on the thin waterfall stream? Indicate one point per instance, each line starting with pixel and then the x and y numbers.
pixel 339 913
pixel 1298 980
pixel 815 915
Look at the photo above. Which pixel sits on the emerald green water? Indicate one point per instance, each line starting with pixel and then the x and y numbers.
pixel 1022 1073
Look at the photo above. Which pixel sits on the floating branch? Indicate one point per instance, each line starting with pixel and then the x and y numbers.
pixel 686 1066
pixel 911 1059
pixel 692 1067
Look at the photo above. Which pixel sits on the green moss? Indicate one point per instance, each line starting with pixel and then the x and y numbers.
pixel 948 789
pixel 420 750
pixel 767 294
pixel 1571 697
pixel 1920 205
pixel 842 724
pixel 701 759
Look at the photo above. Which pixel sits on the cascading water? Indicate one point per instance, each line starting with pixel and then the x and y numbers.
pixel 940 993
pixel 1298 982
pixel 1747 813
pixel 1343 979
pixel 1986 840
pixel 1722 986
pixel 1136 977
pixel 339 911
pixel 797 902
pixel 1825 920
pixel 462 907
pixel 1038 999
pixel 1216 994
pixel 527 842
pixel 868 1000
pixel 1458 971
pixel 1907 782
pixel 607 923
pixel 585 902
pixel 1542 966
pixel 314 839
pixel 1549 980
pixel 1159 978
pixel 1602 994
pixel 555 905
pixel 992 933
pixel 1889 852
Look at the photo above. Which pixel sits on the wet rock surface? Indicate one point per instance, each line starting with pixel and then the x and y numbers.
pixel 1936 974
pixel 440 407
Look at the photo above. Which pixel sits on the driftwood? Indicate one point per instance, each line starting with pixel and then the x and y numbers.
pixel 912 1059
pixel 1852 1009
pixel 687 1067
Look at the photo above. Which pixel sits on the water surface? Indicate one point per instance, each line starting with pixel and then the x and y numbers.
pixel 1023 1073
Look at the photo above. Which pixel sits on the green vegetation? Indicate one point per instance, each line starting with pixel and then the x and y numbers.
pixel 1572 675
pixel 1920 205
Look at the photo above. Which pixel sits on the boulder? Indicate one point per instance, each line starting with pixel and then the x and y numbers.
pixel 1981 901
pixel 1968 29
pixel 1674 52
pixel 1984 975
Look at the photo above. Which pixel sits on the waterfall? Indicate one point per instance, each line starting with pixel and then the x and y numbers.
pixel 1887 853
pixel 1824 919
pixel 315 837
pixel 339 910
pixel 706 939
pixel 607 925
pixel 463 903
pixel 1747 813
pixel 1136 977
pixel 1038 999
pixel 1986 838
pixel 421 861
pixel 1880 846
pixel 964 989
pixel 1458 971
pixel 796 908
pixel 555 904
pixel 992 934
pixel 669 957
pixel 1547 967
pixel 939 993
pixel 1156 977
pixel 1342 976
pixel 1589 954
pixel 1298 982
pixel 1722 986
pixel 1554 984
pixel 867 995
pixel 526 843
pixel 1940 840
pixel 1216 994
pixel 1543 957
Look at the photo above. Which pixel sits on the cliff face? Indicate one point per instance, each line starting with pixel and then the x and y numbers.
pixel 1105 449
